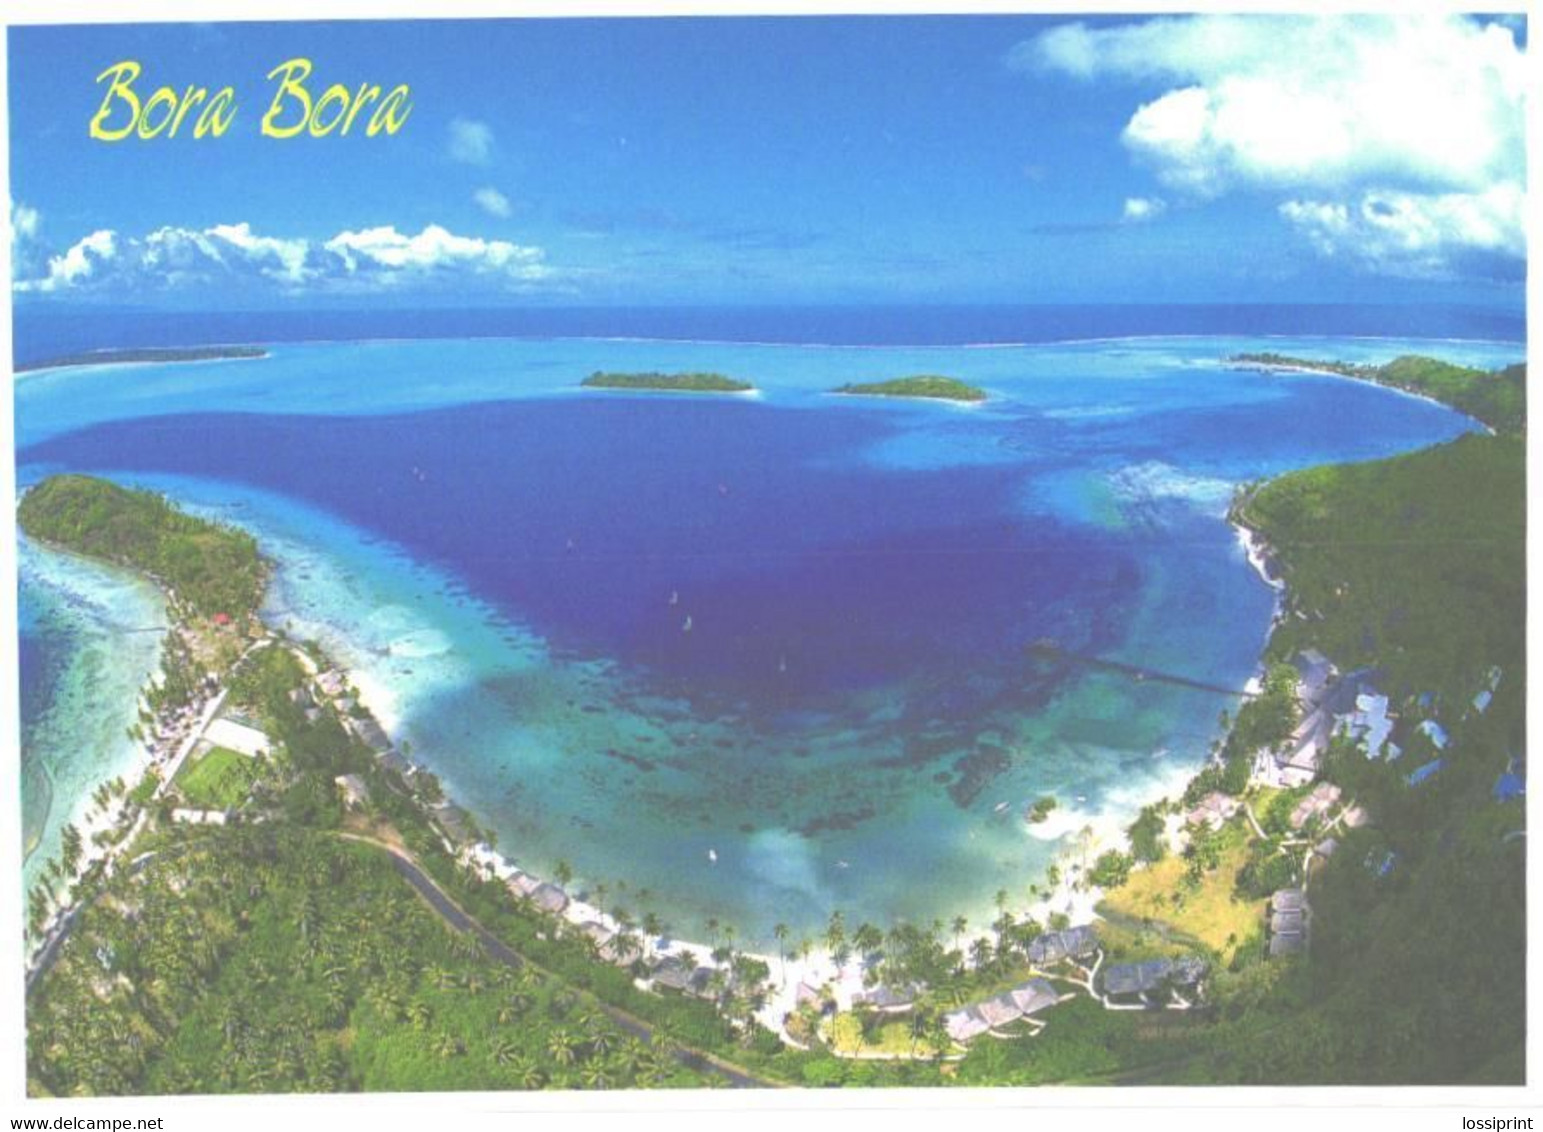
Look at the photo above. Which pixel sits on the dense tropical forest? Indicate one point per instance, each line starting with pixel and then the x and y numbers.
pixel 214 569
pixel 1498 399
pixel 923 385
pixel 668 382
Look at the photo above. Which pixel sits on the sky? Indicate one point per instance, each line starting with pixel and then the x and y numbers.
pixel 1206 158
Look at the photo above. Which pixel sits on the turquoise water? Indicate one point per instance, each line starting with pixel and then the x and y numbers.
pixel 89 645
pixel 496 554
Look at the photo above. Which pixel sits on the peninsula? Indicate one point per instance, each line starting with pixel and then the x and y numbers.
pixel 668 382
pixel 928 386
pixel 146 355
pixel 1497 400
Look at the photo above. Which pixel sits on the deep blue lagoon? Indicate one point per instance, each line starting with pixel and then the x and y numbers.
pixel 630 629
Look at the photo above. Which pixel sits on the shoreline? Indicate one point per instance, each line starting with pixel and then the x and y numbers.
pixel 1317 371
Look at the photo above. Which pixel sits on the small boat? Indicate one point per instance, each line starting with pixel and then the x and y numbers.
pixel 842 865
pixel 712 855
pixel 674 597
pixel 782 664
pixel 1000 807
pixel 686 628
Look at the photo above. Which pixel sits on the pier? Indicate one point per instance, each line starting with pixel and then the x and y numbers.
pixel 1049 650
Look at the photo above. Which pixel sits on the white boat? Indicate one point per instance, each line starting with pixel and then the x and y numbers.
pixel 712 855
pixel 686 628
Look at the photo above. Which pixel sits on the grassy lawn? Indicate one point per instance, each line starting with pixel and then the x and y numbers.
pixel 1210 913
pixel 887 1036
pixel 218 779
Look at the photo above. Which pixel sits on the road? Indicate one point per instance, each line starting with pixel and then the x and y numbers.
pixel 458 919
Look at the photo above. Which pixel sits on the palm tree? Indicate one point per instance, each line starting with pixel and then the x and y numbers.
pixel 528 1073
pixel 560 1046
pixel 960 926
pixel 780 930
pixel 563 872
pixel 505 1051
pixel 446 1046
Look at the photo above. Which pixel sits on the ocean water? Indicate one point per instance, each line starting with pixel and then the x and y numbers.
pixel 753 658
pixel 90 637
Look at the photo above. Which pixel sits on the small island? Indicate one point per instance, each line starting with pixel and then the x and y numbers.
pixel 929 386
pixel 147 355
pixel 669 382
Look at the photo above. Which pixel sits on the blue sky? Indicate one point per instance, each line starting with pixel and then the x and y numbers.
pixel 992 159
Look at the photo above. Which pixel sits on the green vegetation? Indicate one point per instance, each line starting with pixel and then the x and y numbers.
pixel 1042 809
pixel 213 569
pixel 146 354
pixel 1415 564
pixel 668 382
pixel 923 385
pixel 1195 892
pixel 1497 399
pixel 1263 723
pixel 283 960
pixel 219 779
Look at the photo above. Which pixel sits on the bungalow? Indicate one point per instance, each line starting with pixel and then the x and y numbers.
pixel 886 1000
pixel 1314 674
pixel 965 1025
pixel 1126 980
pixel 331 683
pixel 671 974
pixel 1509 785
pixel 1288 923
pixel 1214 810
pixel 522 884
pixel 355 793
pixel 1370 724
pixel 1288 900
pixel 198 817
pixel 1080 942
pixel 1034 996
pixel 999 1011
pixel 368 732
pixel 549 898
pixel 621 951
pixel 1436 733
pixel 456 823
pixel 1281 945
pixel 1315 804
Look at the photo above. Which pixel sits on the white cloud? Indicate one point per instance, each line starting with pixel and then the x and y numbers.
pixel 232 254
pixel 432 249
pixel 1138 209
pixel 471 141
pixel 1413 233
pixel 24 222
pixel 1423 114
pixel 493 202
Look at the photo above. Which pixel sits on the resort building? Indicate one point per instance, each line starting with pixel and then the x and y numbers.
pixel 1290 922
pixel 1021 1002
pixel 886 1000
pixel 1080 942
pixel 1140 983
pixel 1214 810
pixel 1315 805
pixel 549 898
pixel 1314 675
